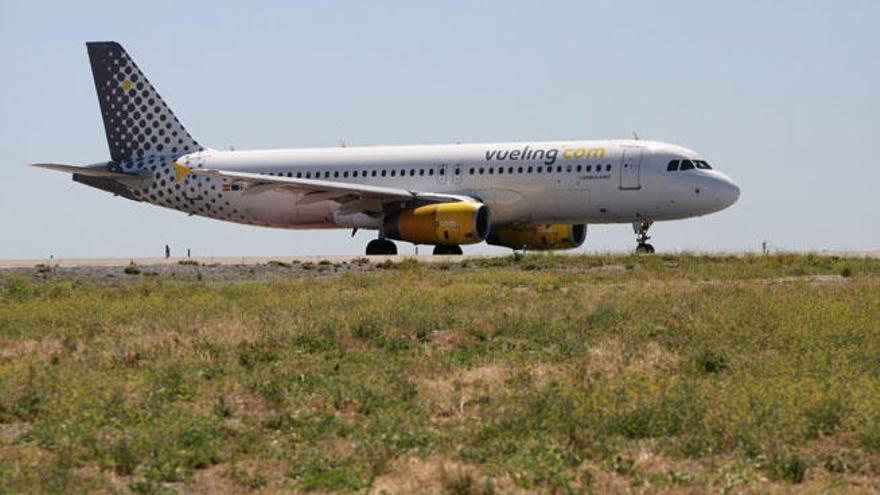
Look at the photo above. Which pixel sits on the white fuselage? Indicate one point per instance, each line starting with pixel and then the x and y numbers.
pixel 609 181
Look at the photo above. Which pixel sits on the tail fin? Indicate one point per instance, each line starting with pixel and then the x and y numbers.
pixel 137 122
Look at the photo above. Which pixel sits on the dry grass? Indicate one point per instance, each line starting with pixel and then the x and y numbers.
pixel 672 374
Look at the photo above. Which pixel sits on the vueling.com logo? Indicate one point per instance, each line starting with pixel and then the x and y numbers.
pixel 548 155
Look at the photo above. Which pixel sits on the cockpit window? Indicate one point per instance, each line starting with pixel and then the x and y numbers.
pixel 673 166
pixel 687 165
pixel 702 164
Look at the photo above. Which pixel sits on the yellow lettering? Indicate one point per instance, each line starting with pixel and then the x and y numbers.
pixel 596 153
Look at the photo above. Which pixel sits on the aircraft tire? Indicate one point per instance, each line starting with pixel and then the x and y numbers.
pixel 381 247
pixel 645 248
pixel 440 250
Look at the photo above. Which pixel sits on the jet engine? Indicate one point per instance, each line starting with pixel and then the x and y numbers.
pixel 539 237
pixel 444 224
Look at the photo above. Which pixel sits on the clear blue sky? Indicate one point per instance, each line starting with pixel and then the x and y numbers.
pixel 782 96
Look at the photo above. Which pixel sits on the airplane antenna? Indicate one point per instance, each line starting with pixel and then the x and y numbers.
pixel 231 148
pixel 342 143
pixel 636 136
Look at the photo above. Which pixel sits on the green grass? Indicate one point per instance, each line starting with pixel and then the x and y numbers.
pixel 554 374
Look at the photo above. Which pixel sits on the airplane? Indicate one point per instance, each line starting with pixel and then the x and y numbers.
pixel 523 196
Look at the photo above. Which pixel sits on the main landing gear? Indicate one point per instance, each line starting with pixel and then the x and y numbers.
pixel 381 247
pixel 384 247
pixel 641 229
pixel 453 250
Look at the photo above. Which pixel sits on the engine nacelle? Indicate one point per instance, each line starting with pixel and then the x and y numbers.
pixel 444 223
pixel 539 237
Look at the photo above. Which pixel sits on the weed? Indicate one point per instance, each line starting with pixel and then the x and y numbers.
pixel 710 361
pixel 791 468
pixel 17 289
pixel 222 408
pixel 463 482
pixel 124 459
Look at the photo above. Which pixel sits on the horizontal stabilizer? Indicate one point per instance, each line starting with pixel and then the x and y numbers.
pixel 87 171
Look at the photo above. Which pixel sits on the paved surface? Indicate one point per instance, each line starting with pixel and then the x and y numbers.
pixel 228 260
pixel 252 260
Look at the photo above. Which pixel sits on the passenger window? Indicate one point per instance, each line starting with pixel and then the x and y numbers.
pixel 345 174
pixel 540 169
pixel 482 170
pixel 383 173
pixel 608 168
pixel 686 165
pixel 471 171
pixel 431 171
pixel 519 170
pixel 442 171
pixel 500 170
pixel 374 174
pixel 393 173
pixel 673 166
pixel 327 174
pixel 530 170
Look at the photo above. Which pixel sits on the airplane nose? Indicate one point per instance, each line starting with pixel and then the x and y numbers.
pixel 727 192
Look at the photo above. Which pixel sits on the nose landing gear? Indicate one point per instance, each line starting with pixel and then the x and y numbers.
pixel 641 230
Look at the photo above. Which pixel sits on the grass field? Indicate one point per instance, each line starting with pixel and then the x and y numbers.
pixel 556 374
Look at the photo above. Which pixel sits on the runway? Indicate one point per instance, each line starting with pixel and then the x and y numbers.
pixel 222 260
pixel 262 260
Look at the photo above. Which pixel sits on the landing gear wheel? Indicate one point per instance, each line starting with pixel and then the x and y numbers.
pixel 640 228
pixel 645 248
pixel 440 250
pixel 378 247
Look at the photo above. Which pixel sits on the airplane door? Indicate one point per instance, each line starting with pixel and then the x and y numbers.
pixel 441 174
pixel 630 166
pixel 203 184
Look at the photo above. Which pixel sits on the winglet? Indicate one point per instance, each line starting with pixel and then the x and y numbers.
pixel 179 171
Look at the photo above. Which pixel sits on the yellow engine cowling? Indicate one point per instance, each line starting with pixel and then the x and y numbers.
pixel 444 223
pixel 539 237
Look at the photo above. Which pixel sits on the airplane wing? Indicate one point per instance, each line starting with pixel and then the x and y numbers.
pixel 355 197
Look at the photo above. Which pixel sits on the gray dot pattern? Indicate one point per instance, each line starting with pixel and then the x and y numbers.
pixel 136 120
pixel 145 137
